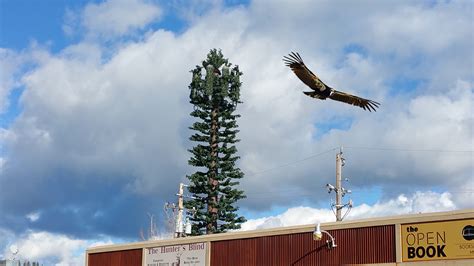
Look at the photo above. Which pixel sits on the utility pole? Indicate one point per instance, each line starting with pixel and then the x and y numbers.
pixel 180 229
pixel 339 190
pixel 339 162
pixel 179 218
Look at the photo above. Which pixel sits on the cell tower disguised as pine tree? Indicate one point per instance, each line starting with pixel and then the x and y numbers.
pixel 215 93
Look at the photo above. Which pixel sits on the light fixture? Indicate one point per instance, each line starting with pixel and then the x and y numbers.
pixel 318 235
pixel 188 226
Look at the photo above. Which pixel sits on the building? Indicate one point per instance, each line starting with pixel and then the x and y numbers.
pixel 9 263
pixel 445 238
pixel 17 263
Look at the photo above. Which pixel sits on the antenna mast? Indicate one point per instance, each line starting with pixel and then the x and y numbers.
pixel 152 234
pixel 340 191
pixel 181 228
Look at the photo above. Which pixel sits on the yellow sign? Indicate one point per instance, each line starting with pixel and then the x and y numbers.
pixel 438 240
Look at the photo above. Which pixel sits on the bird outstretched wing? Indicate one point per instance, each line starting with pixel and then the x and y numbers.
pixel 322 91
pixel 354 100
pixel 297 65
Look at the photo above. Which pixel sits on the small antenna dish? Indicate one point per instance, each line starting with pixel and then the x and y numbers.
pixel 14 250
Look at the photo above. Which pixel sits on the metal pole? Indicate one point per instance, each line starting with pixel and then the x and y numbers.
pixel 151 233
pixel 338 185
pixel 179 217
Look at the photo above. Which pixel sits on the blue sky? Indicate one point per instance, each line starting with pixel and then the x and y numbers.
pixel 39 21
pixel 94 112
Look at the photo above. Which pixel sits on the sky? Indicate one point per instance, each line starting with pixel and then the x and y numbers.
pixel 94 112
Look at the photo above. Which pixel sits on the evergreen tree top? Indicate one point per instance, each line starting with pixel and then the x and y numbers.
pixel 215 80
pixel 216 59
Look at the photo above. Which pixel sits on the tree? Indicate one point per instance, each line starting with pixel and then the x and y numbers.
pixel 215 93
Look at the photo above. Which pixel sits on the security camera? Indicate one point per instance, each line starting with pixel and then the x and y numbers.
pixel 345 191
pixel 330 188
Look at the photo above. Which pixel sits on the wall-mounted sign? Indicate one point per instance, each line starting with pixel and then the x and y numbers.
pixel 178 255
pixel 438 240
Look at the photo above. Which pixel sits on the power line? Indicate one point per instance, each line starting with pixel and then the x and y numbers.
pixel 300 192
pixel 359 148
pixel 291 163
pixel 406 150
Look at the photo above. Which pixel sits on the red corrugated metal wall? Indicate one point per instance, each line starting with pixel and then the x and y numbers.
pixel 354 246
pixel 117 258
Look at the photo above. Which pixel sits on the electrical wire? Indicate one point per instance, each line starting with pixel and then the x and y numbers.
pixel 261 194
pixel 347 213
pixel 298 192
pixel 290 163
pixel 358 148
pixel 406 150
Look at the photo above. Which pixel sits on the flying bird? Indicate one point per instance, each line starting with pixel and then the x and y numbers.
pixel 320 89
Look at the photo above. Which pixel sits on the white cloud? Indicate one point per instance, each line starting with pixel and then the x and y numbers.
pixel 293 216
pixel 6 237
pixel 34 216
pixel 419 202
pixel 118 17
pixel 419 28
pixel 463 195
pixel 10 63
pixel 70 22
pixel 49 248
